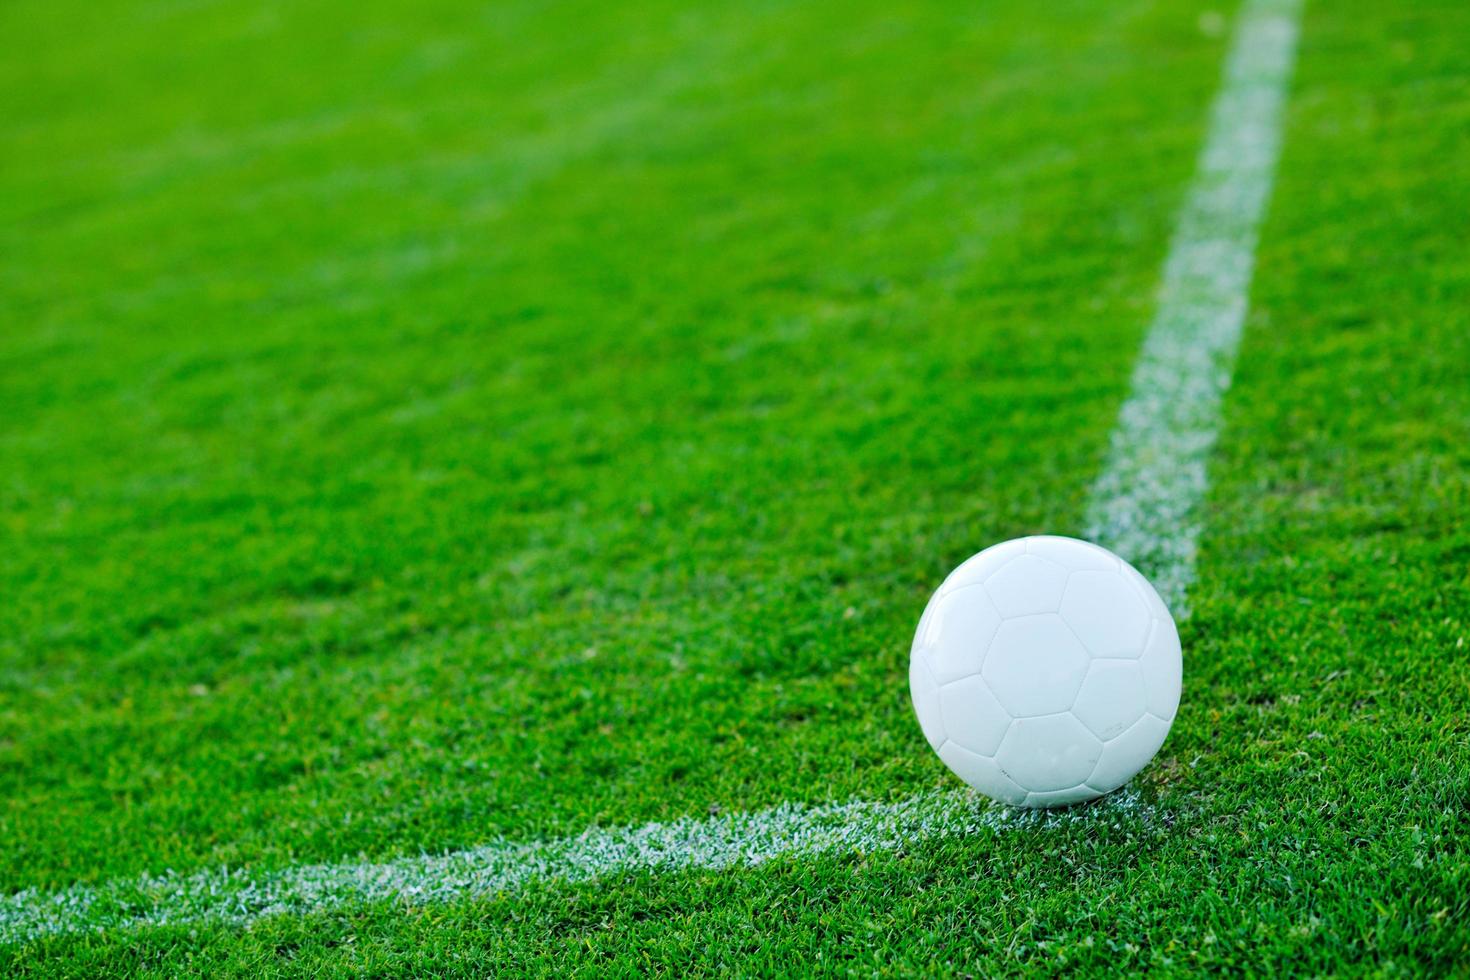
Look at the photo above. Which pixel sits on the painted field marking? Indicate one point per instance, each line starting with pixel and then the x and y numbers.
pixel 239 897
pixel 1146 503
pixel 1144 506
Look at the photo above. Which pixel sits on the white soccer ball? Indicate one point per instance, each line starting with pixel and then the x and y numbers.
pixel 1046 671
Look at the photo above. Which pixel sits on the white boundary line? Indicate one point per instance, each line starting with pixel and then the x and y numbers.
pixel 1143 505
pixel 240 896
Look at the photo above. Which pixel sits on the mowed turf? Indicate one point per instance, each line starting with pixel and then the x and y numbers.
pixel 425 425
pixel 584 458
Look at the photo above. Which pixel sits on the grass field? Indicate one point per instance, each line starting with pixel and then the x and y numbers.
pixel 428 425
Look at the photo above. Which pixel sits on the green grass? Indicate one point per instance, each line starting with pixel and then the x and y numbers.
pixel 430 423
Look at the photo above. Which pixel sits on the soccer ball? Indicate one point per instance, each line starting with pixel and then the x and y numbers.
pixel 1045 671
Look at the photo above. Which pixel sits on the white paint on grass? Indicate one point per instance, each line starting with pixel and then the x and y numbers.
pixel 1146 503
pixel 1144 506
pixel 240 896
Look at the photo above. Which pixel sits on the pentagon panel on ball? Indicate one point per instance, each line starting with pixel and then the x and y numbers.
pixel 1046 671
